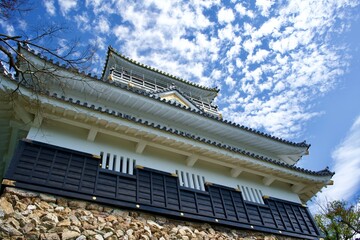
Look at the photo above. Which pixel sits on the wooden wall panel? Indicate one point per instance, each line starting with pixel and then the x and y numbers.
pixel 42 167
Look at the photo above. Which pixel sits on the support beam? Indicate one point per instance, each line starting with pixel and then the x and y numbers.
pixel 235 172
pixel 22 114
pixel 268 180
pixel 140 146
pixel 191 160
pixel 37 120
pixel 296 188
pixel 92 134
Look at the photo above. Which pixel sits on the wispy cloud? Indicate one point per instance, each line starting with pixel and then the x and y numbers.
pixel 346 164
pixel 67 5
pixel 270 59
pixel 50 7
pixel 103 25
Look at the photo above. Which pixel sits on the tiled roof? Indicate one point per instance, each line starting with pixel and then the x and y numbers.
pixel 325 172
pixel 110 49
pixel 217 118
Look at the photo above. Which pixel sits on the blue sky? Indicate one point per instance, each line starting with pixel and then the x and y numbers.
pixel 288 68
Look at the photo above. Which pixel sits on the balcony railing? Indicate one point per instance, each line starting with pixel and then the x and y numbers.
pixel 129 77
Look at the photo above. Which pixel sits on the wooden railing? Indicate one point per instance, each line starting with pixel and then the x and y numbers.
pixel 135 80
pixel 51 169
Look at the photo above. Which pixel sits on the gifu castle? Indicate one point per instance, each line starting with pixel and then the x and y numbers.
pixel 140 138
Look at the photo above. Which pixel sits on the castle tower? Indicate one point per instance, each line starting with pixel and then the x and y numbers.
pixel 140 138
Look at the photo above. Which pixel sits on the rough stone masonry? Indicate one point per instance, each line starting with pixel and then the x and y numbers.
pixel 31 215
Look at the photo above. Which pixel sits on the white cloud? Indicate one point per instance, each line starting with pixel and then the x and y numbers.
pixel 67 5
pixel 250 44
pixel 9 28
pixel 259 56
pixel 121 32
pixel 99 42
pixel 264 6
pixel 274 58
pixel 298 63
pixel 82 22
pixel 243 11
pixel 227 32
pixel 226 15
pixel 230 82
pixel 103 25
pixel 50 7
pixel 63 46
pixel 23 25
pixel 346 164
pixel 101 6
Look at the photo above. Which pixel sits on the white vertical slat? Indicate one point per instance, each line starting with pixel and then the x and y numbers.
pixel 111 161
pixel 254 196
pixel 244 193
pixel 203 181
pixel 196 183
pixel 131 166
pixel 261 195
pixel 257 196
pixel 185 181
pixel 117 164
pixel 103 162
pixel 124 163
pixel 199 179
pixel 249 194
pixel 180 178
pixel 191 183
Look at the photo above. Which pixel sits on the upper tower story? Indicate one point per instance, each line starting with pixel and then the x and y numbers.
pixel 145 78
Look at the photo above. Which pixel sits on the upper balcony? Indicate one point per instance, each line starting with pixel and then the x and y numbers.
pixel 140 81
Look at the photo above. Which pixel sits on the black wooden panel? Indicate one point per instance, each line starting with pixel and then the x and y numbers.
pixel 144 187
pixel 172 196
pixel 42 167
pixel 309 221
pixel 277 217
pixel 217 202
pixel 204 204
pixel 240 207
pixel 254 215
pixel 188 201
pixel 267 217
pixel 291 216
pixel 228 204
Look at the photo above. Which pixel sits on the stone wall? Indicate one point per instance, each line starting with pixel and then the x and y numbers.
pixel 30 215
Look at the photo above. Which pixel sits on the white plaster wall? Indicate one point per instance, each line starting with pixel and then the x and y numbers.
pixel 75 138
